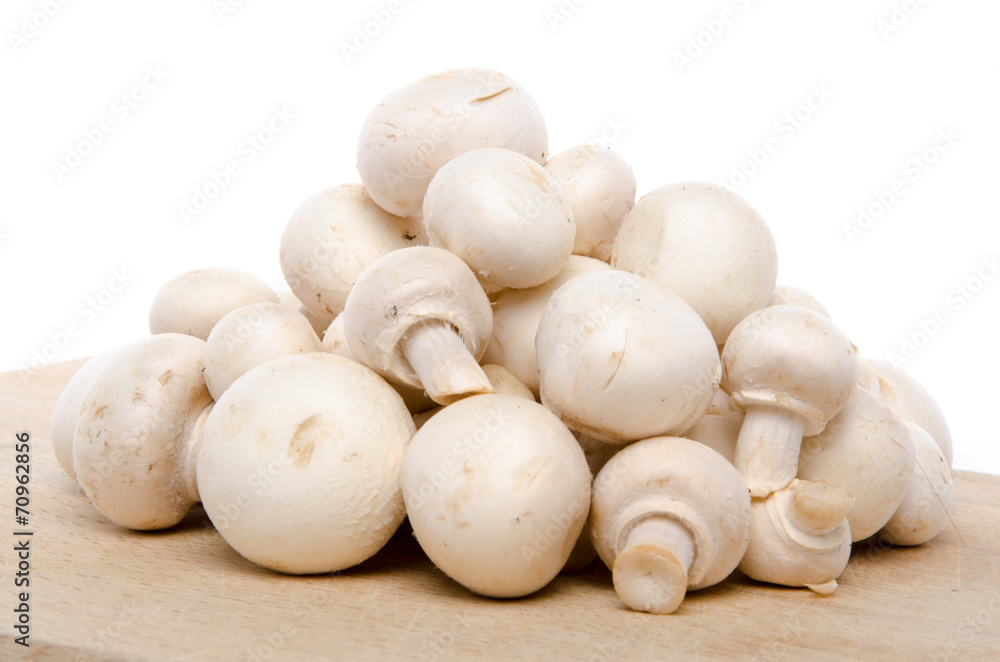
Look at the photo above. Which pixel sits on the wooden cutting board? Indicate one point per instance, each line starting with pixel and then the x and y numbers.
pixel 100 592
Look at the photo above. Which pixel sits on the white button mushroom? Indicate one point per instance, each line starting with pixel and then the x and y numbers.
pixel 926 507
pixel 668 515
pixel 867 450
pixel 252 335
pixel 194 301
pixel 419 317
pixel 332 238
pixel 418 128
pixel 799 536
pixel 140 423
pixel 620 358
pixel 600 187
pixel 516 314
pixel 300 462
pixel 706 244
pixel 66 412
pixel 503 214
pixel 796 296
pixel 791 370
pixel 497 491
pixel 719 428
pixel 911 402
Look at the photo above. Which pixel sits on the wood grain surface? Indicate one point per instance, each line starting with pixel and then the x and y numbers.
pixel 100 592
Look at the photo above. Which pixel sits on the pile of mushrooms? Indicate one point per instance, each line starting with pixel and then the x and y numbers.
pixel 536 369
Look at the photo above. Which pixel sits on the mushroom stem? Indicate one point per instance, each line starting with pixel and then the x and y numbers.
pixel 767 451
pixel 442 362
pixel 818 507
pixel 651 570
pixel 190 446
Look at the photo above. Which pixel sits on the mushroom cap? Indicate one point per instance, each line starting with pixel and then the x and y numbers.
pixel 66 412
pixel 138 415
pixel 796 296
pixel 406 287
pixel 332 238
pixel 719 428
pixel 705 243
pixel 418 128
pixel 682 480
pixel 516 314
pixel 335 342
pixel 781 553
pixel 621 358
pixel 497 490
pixel 193 302
pixel 926 507
pixel 867 450
pixel 299 463
pixel 252 335
pixel 911 402
pixel 600 187
pixel 503 214
pixel 503 381
pixel 791 358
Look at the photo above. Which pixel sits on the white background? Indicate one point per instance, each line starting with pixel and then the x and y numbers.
pixel 881 92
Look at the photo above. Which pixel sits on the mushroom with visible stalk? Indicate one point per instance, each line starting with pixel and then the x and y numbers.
pixel 193 302
pixel 620 358
pixel 516 314
pixel 503 214
pixel 66 412
pixel 252 335
pixel 331 238
pixel 501 380
pixel 867 450
pixel 926 507
pixel 600 188
pixel 719 428
pixel 706 244
pixel 419 318
pixel 497 491
pixel 321 439
pixel 139 427
pixel 799 536
pixel 335 342
pixel 418 128
pixel 668 515
pixel 796 296
pixel 911 402
pixel 791 370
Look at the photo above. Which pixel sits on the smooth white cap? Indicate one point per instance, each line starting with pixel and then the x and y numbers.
pixel 299 463
pixel 503 214
pixel 193 302
pixel 497 490
pixel 706 244
pixel 620 358
pixel 419 127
